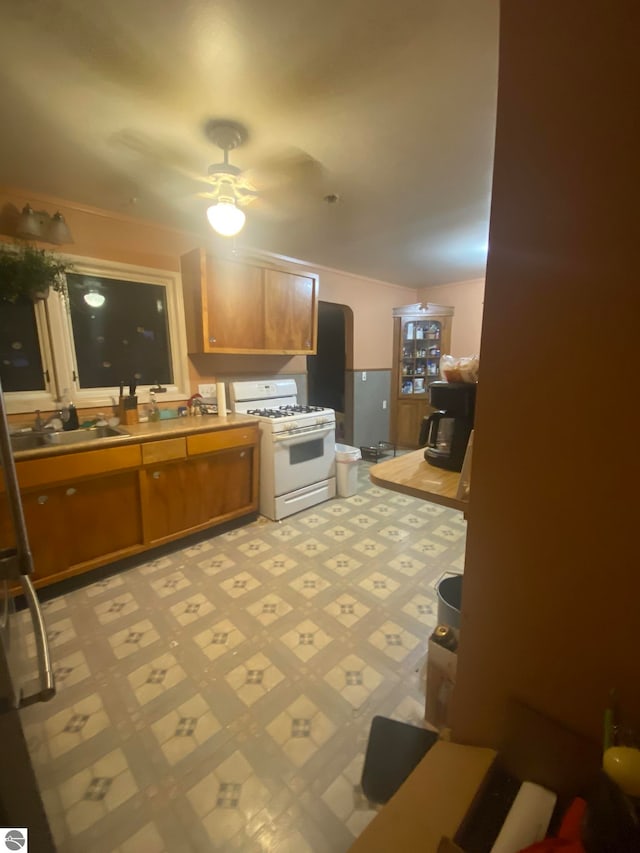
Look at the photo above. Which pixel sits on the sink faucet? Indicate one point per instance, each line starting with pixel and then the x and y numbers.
pixel 39 424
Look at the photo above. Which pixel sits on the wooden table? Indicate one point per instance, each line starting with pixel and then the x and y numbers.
pixel 412 475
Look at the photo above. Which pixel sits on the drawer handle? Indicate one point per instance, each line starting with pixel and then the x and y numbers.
pixel 156 475
pixel 71 491
pixel 42 499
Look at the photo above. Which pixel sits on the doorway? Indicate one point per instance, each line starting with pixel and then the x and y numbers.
pixel 326 371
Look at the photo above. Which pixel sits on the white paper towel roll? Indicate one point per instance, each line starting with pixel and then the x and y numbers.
pixel 528 819
pixel 221 398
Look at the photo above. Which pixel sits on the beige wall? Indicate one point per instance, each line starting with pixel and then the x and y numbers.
pixel 467 297
pixel 105 235
pixel 552 587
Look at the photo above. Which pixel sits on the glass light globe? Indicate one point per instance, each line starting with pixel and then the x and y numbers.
pixel 226 218
pixel 94 299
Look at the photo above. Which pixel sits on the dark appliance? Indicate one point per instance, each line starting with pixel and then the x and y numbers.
pixel 446 432
pixel 22 815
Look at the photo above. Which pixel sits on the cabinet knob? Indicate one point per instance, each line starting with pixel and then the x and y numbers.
pixel 71 491
pixel 212 340
pixel 42 499
pixel 156 475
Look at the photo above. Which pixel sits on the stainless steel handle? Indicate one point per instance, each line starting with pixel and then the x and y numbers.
pixel 47 685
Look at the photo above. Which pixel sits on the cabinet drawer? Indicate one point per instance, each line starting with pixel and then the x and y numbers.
pixel 71 466
pixel 164 451
pixel 209 442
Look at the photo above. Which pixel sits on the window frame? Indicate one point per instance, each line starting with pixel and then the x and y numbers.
pixel 57 348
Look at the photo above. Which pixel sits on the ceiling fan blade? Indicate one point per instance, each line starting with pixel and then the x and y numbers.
pixel 292 166
pixel 159 156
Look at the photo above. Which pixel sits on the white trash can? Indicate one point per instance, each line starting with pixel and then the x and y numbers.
pixel 347 469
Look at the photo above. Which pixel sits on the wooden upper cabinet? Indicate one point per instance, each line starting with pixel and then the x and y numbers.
pixel 233 305
pixel 291 311
pixel 238 307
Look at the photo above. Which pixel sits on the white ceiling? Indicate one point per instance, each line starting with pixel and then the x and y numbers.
pixel 391 105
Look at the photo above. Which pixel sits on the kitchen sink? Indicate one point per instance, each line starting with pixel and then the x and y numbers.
pixel 27 440
pixel 60 438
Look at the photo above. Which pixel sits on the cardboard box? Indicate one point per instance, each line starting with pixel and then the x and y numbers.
pixel 430 811
pixel 441 680
pixel 432 802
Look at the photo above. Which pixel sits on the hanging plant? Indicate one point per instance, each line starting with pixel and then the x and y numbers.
pixel 31 272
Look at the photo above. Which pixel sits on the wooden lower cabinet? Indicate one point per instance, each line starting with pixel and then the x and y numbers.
pixel 48 538
pixel 170 501
pixel 103 518
pixel 215 482
pixel 409 416
pixel 225 483
pixel 80 523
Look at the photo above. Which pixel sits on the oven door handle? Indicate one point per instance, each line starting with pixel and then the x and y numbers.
pixel 298 437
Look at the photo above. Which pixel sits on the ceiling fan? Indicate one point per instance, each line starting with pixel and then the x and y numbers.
pixel 230 189
pixel 280 185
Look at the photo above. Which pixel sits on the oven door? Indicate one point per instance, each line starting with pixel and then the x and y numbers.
pixel 303 457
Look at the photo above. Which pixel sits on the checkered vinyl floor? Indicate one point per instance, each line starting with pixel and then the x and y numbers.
pixel 220 697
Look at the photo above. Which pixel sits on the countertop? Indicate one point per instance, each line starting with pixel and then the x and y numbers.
pixel 135 433
pixel 412 475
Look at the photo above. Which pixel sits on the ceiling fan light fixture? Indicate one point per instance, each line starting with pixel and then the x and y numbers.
pixel 226 218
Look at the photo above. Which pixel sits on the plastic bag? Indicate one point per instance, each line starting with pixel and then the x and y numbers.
pixel 464 369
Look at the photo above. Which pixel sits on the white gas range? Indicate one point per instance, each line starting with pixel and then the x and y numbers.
pixel 297 445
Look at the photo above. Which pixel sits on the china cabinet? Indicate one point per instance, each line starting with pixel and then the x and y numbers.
pixel 421 336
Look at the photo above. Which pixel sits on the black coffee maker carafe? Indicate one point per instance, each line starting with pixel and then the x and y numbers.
pixel 446 432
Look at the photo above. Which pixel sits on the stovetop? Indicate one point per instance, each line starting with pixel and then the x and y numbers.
pixel 288 411
pixel 275 403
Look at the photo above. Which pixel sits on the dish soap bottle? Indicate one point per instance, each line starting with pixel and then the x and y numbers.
pixel 69 414
pixel 72 420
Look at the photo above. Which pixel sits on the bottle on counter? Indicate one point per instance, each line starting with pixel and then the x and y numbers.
pixel 71 421
pixel 154 411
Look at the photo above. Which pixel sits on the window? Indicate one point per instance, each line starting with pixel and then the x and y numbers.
pixel 117 323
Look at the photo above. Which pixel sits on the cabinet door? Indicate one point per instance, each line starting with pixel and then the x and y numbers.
pixel 409 421
pixel 234 307
pixel 171 500
pixel 102 517
pixel 85 521
pixel 226 484
pixel 290 312
pixel 421 344
pixel 44 518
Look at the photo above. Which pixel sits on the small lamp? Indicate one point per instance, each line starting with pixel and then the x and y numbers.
pixel 58 232
pixel 40 225
pixel 30 225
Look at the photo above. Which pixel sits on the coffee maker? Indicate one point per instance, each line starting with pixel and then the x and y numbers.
pixel 446 432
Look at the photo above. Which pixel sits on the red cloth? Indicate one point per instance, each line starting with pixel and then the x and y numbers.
pixel 568 838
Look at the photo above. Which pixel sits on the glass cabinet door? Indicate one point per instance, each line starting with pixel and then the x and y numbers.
pixel 420 362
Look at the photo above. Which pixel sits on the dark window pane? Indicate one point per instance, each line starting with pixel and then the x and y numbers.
pixel 120 331
pixel 20 361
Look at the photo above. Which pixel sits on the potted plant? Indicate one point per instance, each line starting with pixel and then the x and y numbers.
pixel 28 271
